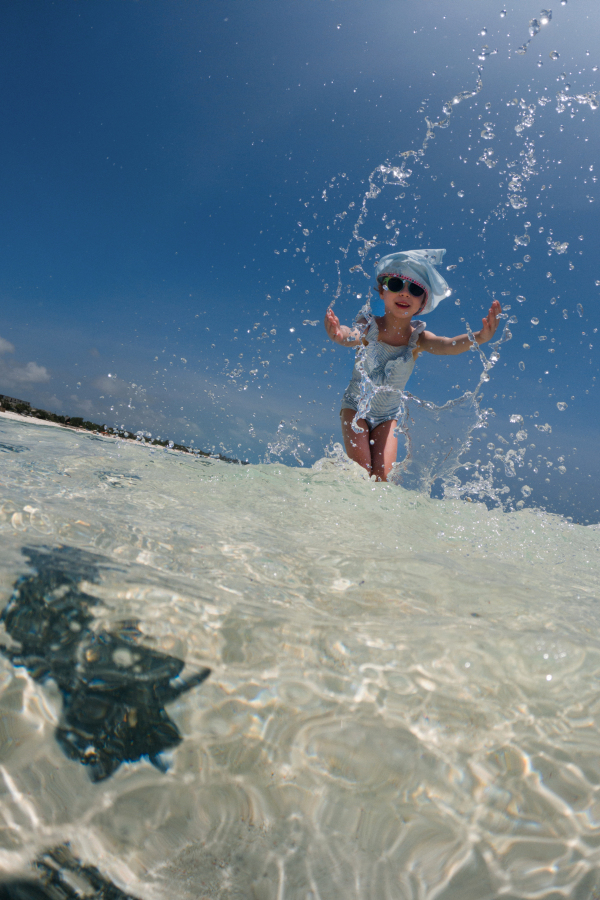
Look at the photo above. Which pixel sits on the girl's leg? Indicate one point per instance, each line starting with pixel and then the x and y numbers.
pixel 357 446
pixel 384 449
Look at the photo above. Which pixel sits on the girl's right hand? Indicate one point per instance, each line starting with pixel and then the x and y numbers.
pixel 333 327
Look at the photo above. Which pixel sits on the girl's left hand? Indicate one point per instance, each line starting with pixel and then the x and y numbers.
pixel 490 323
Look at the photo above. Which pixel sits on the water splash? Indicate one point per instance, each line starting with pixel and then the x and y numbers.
pixel 437 437
pixel 286 444
pixel 383 218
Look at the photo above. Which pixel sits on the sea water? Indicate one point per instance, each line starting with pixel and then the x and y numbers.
pixel 403 700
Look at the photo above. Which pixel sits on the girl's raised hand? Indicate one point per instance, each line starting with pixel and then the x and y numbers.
pixel 332 326
pixel 490 323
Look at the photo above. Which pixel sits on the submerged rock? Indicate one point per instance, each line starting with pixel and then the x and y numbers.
pixel 62 877
pixel 114 689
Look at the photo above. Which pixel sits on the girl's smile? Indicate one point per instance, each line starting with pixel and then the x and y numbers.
pixel 402 302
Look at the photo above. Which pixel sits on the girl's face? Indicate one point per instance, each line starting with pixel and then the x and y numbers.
pixel 401 305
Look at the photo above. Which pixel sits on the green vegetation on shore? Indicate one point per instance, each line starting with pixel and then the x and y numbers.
pixel 23 408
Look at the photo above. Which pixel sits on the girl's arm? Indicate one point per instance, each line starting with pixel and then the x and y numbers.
pixel 451 346
pixel 341 334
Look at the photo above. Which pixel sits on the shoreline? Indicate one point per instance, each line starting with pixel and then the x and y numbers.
pixel 118 436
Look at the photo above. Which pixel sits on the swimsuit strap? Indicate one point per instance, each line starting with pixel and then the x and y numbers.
pixel 419 328
pixel 367 324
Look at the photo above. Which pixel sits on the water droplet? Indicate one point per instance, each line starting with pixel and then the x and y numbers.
pixel 292 329
pixel 287 287
pixel 526 346
pixel 580 309
pixel 563 2
pixel 483 32
pixel 554 54
pixel 521 50
pixel 534 27
pixel 562 406
pixel 545 16
pixel 565 314
pixel 595 69
pixel 526 490
pixel 516 419
pixel 461 193
pixel 535 321
pixel 522 366
pixel 520 298
pixel 502 13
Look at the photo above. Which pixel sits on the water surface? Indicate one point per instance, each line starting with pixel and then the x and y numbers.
pixel 403 698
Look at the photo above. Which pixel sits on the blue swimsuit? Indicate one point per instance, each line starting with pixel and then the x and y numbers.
pixel 388 369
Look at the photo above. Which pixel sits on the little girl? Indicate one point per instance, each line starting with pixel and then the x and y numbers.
pixel 408 283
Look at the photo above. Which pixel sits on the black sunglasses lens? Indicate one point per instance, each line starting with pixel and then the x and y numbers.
pixel 395 285
pixel 415 290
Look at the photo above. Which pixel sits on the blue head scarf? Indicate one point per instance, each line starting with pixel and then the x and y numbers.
pixel 418 266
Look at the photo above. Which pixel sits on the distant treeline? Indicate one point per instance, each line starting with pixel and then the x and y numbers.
pixel 11 404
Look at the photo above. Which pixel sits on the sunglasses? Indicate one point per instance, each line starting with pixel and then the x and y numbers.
pixel 395 285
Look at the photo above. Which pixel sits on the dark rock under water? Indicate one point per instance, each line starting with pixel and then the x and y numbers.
pixel 60 876
pixel 114 689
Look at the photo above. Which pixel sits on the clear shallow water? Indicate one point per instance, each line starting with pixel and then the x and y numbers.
pixel 404 692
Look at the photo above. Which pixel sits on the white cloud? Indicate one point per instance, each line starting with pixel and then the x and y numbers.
pixel 13 373
pixel 6 346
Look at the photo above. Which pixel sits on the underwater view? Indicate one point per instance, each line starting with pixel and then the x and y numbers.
pixel 234 666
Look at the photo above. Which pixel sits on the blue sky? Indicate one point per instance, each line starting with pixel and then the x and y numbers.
pixel 159 157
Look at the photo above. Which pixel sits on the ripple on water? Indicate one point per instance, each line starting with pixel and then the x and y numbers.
pixel 404 692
